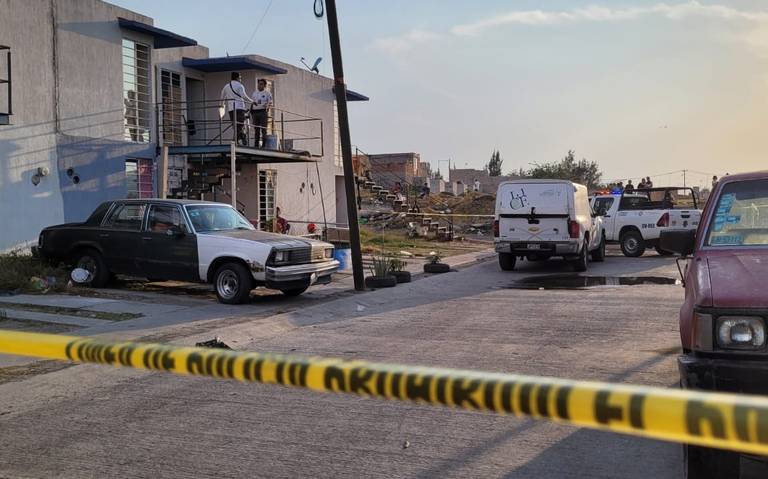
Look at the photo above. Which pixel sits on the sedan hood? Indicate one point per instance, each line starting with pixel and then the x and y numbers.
pixel 274 239
pixel 739 280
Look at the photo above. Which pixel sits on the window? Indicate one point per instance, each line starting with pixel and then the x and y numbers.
pixel 602 205
pixel 336 139
pixel 6 104
pixel 741 215
pixel 173 119
pixel 206 218
pixel 267 182
pixel 163 218
pixel 126 217
pixel 138 178
pixel 137 95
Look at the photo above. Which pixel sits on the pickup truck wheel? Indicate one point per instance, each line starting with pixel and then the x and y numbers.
pixel 581 263
pixel 92 261
pixel 705 463
pixel 598 255
pixel 294 291
pixel 233 283
pixel 663 252
pixel 632 244
pixel 507 261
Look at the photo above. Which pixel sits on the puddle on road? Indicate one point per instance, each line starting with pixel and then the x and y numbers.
pixel 572 281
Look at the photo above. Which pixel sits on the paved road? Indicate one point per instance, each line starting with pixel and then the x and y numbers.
pixel 91 421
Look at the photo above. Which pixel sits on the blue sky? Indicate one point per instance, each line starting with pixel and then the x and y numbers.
pixel 642 87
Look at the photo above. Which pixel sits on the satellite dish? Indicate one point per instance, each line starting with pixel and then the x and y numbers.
pixel 314 67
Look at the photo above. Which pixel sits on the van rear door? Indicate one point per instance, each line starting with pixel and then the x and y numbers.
pixel 534 212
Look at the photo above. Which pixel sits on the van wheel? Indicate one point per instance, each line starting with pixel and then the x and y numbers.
pixel 598 255
pixel 705 463
pixel 92 261
pixel 632 244
pixel 507 261
pixel 581 263
pixel 233 283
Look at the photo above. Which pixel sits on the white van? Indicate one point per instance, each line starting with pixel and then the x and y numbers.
pixel 539 219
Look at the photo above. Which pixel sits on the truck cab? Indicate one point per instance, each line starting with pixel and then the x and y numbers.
pixel 724 315
pixel 540 219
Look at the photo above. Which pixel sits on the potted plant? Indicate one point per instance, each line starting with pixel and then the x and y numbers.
pixel 396 266
pixel 433 264
pixel 380 274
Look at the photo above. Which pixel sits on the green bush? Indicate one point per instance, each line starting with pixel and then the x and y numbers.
pixel 23 272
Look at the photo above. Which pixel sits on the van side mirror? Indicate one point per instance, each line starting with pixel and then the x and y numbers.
pixel 681 242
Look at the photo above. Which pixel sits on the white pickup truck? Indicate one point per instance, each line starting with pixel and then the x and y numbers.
pixel 636 219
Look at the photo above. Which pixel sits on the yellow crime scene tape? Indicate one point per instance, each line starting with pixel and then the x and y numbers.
pixel 728 421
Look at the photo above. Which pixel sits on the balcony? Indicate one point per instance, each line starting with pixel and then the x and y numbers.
pixel 202 129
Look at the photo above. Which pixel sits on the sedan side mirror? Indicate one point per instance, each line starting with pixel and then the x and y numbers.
pixel 682 242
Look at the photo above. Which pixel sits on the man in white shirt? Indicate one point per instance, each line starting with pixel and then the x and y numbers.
pixel 476 186
pixel 234 98
pixel 262 102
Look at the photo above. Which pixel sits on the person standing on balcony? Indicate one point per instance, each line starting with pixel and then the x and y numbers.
pixel 234 98
pixel 262 102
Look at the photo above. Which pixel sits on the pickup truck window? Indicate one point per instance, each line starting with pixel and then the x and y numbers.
pixel 163 218
pixel 126 217
pixel 602 205
pixel 741 215
pixel 659 199
pixel 207 218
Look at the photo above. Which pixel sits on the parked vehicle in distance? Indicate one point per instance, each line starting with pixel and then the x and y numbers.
pixel 539 219
pixel 187 240
pixel 723 318
pixel 635 220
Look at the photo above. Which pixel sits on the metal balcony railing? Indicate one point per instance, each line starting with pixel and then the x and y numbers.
pixel 206 123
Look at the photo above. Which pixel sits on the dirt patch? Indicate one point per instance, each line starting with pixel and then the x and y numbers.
pixel 29 326
pixel 19 373
pixel 77 312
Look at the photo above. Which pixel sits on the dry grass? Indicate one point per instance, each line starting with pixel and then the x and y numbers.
pixel 17 271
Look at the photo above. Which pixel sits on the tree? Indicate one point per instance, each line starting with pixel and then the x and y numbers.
pixel 494 166
pixel 583 171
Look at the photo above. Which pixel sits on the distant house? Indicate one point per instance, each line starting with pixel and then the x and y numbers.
pixel 467 176
pixel 389 168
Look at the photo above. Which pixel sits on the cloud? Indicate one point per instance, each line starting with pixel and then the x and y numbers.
pixel 406 41
pixel 596 13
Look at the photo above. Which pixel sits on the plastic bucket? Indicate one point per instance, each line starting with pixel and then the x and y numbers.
pixel 344 257
pixel 270 142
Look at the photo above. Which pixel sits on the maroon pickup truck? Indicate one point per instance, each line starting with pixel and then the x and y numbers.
pixel 723 319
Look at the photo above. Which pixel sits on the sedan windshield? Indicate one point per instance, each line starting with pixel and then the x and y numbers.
pixel 206 218
pixel 741 215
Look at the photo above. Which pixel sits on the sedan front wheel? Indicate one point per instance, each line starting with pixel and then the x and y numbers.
pixel 233 283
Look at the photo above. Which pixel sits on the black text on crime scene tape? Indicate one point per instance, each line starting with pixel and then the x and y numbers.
pixel 445 387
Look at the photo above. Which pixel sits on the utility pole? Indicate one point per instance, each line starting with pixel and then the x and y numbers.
pixel 346 144
pixel 684 178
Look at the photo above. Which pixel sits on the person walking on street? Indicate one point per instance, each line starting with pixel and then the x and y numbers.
pixel 234 99
pixel 714 182
pixel 262 102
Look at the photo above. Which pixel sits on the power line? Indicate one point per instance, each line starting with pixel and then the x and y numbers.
pixel 256 29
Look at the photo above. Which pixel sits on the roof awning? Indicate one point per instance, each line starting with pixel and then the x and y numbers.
pixel 228 64
pixel 163 38
pixel 354 96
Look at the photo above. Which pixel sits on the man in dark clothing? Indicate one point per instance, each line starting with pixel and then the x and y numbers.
pixel 262 102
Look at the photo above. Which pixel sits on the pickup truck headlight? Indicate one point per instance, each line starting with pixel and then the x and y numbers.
pixel 328 253
pixel 740 332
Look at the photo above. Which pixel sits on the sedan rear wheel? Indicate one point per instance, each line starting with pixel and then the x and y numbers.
pixel 233 283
